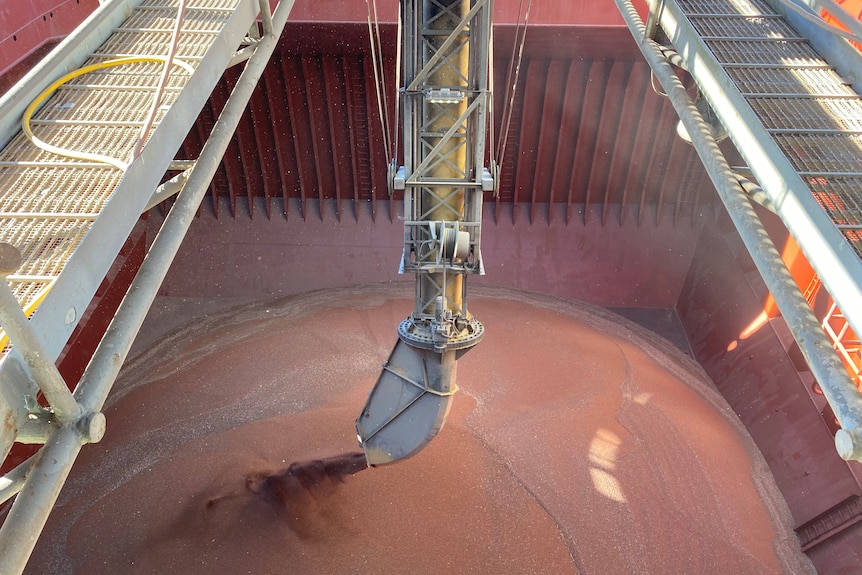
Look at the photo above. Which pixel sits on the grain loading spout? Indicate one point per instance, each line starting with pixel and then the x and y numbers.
pixel 445 102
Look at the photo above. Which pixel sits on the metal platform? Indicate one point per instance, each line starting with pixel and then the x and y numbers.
pixel 73 184
pixel 50 202
pixel 795 119
pixel 784 94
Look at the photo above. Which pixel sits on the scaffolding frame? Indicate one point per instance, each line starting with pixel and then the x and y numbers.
pixel 73 419
pixel 734 54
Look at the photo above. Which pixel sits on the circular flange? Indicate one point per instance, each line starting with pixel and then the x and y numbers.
pixel 421 336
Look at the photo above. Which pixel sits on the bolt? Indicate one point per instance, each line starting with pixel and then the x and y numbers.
pixel 92 427
pixel 848 444
pixel 10 259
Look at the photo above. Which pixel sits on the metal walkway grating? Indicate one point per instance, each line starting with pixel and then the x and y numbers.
pixel 797 124
pixel 779 82
pixel 68 214
pixel 48 202
pixel 809 110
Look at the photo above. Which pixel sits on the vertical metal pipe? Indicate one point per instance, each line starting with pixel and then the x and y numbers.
pixel 448 200
pixel 827 368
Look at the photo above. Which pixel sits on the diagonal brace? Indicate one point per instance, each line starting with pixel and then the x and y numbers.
pixel 16 325
pixel 441 51
pixel 432 156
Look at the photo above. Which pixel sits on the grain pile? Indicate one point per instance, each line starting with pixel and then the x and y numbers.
pixel 576 445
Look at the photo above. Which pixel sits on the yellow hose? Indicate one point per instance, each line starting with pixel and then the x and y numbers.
pixel 31 109
pixel 34 304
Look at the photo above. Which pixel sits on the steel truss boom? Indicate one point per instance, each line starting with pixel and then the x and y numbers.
pixel 445 103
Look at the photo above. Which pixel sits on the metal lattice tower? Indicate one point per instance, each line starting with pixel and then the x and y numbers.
pixel 445 101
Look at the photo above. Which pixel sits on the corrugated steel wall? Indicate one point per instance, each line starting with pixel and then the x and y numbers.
pixel 588 134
